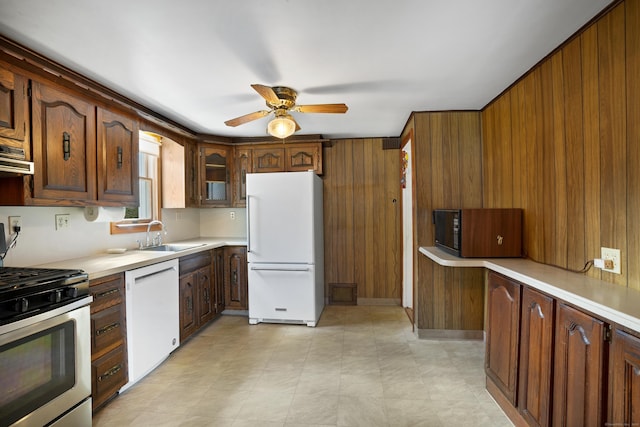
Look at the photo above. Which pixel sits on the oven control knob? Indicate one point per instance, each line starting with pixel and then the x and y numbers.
pixel 71 292
pixel 55 296
pixel 22 305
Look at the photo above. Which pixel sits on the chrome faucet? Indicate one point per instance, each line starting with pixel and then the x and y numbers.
pixel 157 241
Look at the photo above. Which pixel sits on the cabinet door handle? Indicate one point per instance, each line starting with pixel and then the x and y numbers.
pixel 106 293
pixel 119 157
pixel 107 328
pixel 111 372
pixel 189 304
pixel 574 327
pixel 66 145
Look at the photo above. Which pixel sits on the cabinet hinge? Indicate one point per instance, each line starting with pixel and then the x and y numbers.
pixel 607 333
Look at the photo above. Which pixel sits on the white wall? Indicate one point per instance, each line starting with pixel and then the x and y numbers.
pixel 39 242
pixel 218 223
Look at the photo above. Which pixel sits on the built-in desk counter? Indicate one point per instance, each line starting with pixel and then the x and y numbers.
pixel 611 302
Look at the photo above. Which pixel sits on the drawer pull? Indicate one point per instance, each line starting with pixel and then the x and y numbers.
pixel 107 328
pixel 106 293
pixel 111 372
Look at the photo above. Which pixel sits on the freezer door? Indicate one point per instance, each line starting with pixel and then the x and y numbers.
pixel 280 217
pixel 283 293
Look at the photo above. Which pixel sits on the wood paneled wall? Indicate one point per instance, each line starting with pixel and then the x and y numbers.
pixel 447 154
pixel 362 217
pixel 564 144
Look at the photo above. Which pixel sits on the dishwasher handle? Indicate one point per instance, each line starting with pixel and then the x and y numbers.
pixel 152 274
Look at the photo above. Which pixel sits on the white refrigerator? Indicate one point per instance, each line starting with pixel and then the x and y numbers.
pixel 285 249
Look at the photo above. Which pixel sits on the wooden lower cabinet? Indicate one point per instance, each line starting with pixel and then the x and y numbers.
pixel 579 369
pixel 197 293
pixel 536 357
pixel 547 364
pixel 503 334
pixel 218 274
pixel 624 395
pixel 236 285
pixel 109 370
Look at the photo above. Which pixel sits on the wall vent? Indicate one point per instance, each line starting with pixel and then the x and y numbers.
pixel 390 143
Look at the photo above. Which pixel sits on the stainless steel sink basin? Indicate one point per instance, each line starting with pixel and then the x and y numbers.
pixel 173 247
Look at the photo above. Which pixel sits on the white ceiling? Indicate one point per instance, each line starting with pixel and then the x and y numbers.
pixel 193 60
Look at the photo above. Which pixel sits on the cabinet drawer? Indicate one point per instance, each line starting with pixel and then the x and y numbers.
pixel 107 328
pixel 107 292
pixel 108 375
pixel 193 262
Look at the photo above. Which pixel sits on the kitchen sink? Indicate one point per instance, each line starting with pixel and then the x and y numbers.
pixel 173 247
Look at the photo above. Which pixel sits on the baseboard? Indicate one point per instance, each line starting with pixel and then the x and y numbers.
pixel 509 410
pixel 450 334
pixel 229 312
pixel 379 301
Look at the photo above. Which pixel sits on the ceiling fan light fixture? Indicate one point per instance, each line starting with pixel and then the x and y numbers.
pixel 282 126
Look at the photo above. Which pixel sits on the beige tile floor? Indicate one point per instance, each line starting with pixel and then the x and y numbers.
pixel 361 366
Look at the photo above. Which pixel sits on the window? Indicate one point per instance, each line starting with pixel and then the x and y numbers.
pixel 137 218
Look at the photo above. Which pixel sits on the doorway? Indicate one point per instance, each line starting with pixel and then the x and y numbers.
pixel 407 229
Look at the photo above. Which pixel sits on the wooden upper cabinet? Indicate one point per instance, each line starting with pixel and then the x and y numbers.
pixel 64 147
pixel 578 369
pixel 242 166
pixel 624 393
pixel 117 158
pixel 503 332
pixel 269 159
pixel 192 155
pixel 215 175
pixel 303 157
pixel 289 157
pixel 536 357
pixel 13 110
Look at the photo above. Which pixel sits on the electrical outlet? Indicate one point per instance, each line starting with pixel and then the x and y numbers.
pixel 232 215
pixel 613 255
pixel 15 221
pixel 62 221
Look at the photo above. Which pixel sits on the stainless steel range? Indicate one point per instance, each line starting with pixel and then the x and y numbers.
pixel 45 347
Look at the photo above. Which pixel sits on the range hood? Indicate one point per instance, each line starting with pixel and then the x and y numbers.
pixel 12 162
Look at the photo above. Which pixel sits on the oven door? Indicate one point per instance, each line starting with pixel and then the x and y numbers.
pixel 45 365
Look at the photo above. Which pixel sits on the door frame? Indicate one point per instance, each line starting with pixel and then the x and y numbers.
pixel 408 138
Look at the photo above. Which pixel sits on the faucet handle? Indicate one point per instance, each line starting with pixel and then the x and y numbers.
pixel 139 244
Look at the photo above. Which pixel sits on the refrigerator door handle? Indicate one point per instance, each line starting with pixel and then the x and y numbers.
pixel 280 268
pixel 248 224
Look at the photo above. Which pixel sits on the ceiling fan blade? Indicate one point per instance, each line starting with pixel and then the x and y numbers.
pixel 246 118
pixel 266 92
pixel 322 108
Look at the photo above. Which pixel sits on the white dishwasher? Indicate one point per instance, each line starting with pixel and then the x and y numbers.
pixel 153 322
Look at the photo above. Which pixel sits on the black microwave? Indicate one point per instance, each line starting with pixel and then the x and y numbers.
pixel 479 233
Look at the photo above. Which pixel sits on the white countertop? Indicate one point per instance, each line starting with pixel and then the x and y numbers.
pixel 611 302
pixel 101 265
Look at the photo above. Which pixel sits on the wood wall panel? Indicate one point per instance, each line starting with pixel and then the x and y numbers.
pixel 574 137
pixel 362 217
pixel 447 151
pixel 633 137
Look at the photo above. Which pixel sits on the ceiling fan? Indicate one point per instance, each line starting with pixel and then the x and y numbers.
pixel 281 101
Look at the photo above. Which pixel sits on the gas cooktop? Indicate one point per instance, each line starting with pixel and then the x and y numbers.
pixel 27 291
pixel 21 277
